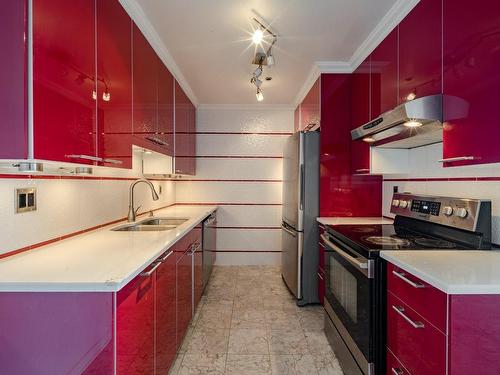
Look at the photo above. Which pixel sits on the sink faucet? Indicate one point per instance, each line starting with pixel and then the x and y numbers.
pixel 131 211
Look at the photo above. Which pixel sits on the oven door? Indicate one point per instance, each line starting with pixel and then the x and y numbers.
pixel 349 297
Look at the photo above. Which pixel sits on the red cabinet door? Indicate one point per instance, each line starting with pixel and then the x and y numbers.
pixel 114 84
pixel 166 341
pixel 420 51
pixel 310 107
pixel 145 66
pixel 384 75
pixel 64 108
pixel 165 109
pixel 135 327
pixel 197 267
pixel 471 60
pixel 185 137
pixel 184 288
pixel 360 114
pixel 13 103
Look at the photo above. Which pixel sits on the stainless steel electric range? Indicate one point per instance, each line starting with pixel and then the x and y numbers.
pixel 355 295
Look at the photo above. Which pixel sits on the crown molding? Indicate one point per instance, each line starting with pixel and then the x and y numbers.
pixel 136 12
pixel 390 20
pixel 246 107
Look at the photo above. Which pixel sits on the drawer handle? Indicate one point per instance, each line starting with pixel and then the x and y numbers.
pixel 150 272
pixel 319 275
pixel 112 161
pixel 403 277
pixel 397 371
pixel 400 310
pixel 166 256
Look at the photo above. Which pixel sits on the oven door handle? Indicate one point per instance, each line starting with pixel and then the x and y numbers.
pixel 346 256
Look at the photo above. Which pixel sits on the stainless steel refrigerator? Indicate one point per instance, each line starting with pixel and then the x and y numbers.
pixel 299 229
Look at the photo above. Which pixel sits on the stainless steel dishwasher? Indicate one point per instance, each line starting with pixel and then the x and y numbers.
pixel 209 246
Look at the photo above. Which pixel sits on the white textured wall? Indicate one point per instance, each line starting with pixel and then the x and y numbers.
pixel 70 205
pixel 242 173
pixel 427 176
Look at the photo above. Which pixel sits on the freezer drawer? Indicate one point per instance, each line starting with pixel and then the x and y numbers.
pixel 291 251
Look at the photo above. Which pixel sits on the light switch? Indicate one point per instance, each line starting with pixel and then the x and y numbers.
pixel 25 200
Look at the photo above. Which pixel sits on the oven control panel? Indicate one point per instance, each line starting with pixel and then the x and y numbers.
pixel 454 212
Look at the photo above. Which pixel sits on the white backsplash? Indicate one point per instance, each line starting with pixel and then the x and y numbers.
pixel 423 164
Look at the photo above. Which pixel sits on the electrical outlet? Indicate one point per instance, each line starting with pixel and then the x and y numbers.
pixel 25 200
pixel 395 189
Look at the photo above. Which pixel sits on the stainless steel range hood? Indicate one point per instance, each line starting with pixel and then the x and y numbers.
pixel 412 124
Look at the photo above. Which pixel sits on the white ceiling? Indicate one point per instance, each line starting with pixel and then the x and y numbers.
pixel 209 41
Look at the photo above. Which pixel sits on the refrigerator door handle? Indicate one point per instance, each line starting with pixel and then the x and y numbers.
pixel 288 230
pixel 302 182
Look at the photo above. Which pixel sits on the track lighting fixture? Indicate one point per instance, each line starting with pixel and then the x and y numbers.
pixel 262 57
pixel 259 95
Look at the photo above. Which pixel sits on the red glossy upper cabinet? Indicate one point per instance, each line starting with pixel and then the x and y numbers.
pixel 166 347
pixel 165 136
pixel 135 323
pixel 145 68
pixel 64 104
pixel 185 137
pixel 13 103
pixel 360 114
pixel 471 73
pixel 384 75
pixel 420 51
pixel 114 83
pixel 310 107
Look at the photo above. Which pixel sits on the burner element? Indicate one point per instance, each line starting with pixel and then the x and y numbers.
pixel 384 240
pixel 434 243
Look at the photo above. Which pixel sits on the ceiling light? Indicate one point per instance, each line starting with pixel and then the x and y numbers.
pixel 369 139
pixel 259 95
pixel 257 73
pixel 411 96
pixel 270 60
pixel 412 124
pixel 257 82
pixel 257 36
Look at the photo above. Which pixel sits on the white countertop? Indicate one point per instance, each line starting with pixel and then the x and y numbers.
pixel 353 220
pixel 453 272
pixel 101 260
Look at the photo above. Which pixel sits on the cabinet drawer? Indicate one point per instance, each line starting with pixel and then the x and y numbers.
pixel 394 367
pixel 419 346
pixel 428 301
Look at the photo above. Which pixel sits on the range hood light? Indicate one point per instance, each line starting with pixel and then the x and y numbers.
pixel 411 96
pixel 369 139
pixel 412 124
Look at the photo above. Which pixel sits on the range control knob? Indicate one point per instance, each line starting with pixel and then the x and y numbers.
pixel 461 212
pixel 395 202
pixel 447 210
pixel 403 204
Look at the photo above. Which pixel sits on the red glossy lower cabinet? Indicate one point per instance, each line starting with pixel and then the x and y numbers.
pixel 420 346
pixel 135 318
pixel 197 269
pixel 394 367
pixel 184 275
pixel 166 309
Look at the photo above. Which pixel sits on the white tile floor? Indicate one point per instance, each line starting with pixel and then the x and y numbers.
pixel 248 323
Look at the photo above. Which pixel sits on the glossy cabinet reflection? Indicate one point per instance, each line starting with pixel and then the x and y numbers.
pixel 471 71
pixel 185 133
pixel 165 127
pixel 360 115
pixel 420 58
pixel 310 107
pixel 114 84
pixel 64 105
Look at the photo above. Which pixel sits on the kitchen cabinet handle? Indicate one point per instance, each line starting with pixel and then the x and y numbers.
pixel 157 141
pixel 363 170
pixel 302 187
pixel 403 277
pixel 319 275
pixel 150 272
pixel 397 371
pixel 288 231
pixel 344 255
pixel 166 256
pixel 112 161
pixel 458 158
pixel 85 157
pixel 400 310
pixel 321 244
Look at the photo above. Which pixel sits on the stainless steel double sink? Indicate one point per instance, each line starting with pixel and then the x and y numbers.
pixel 152 224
